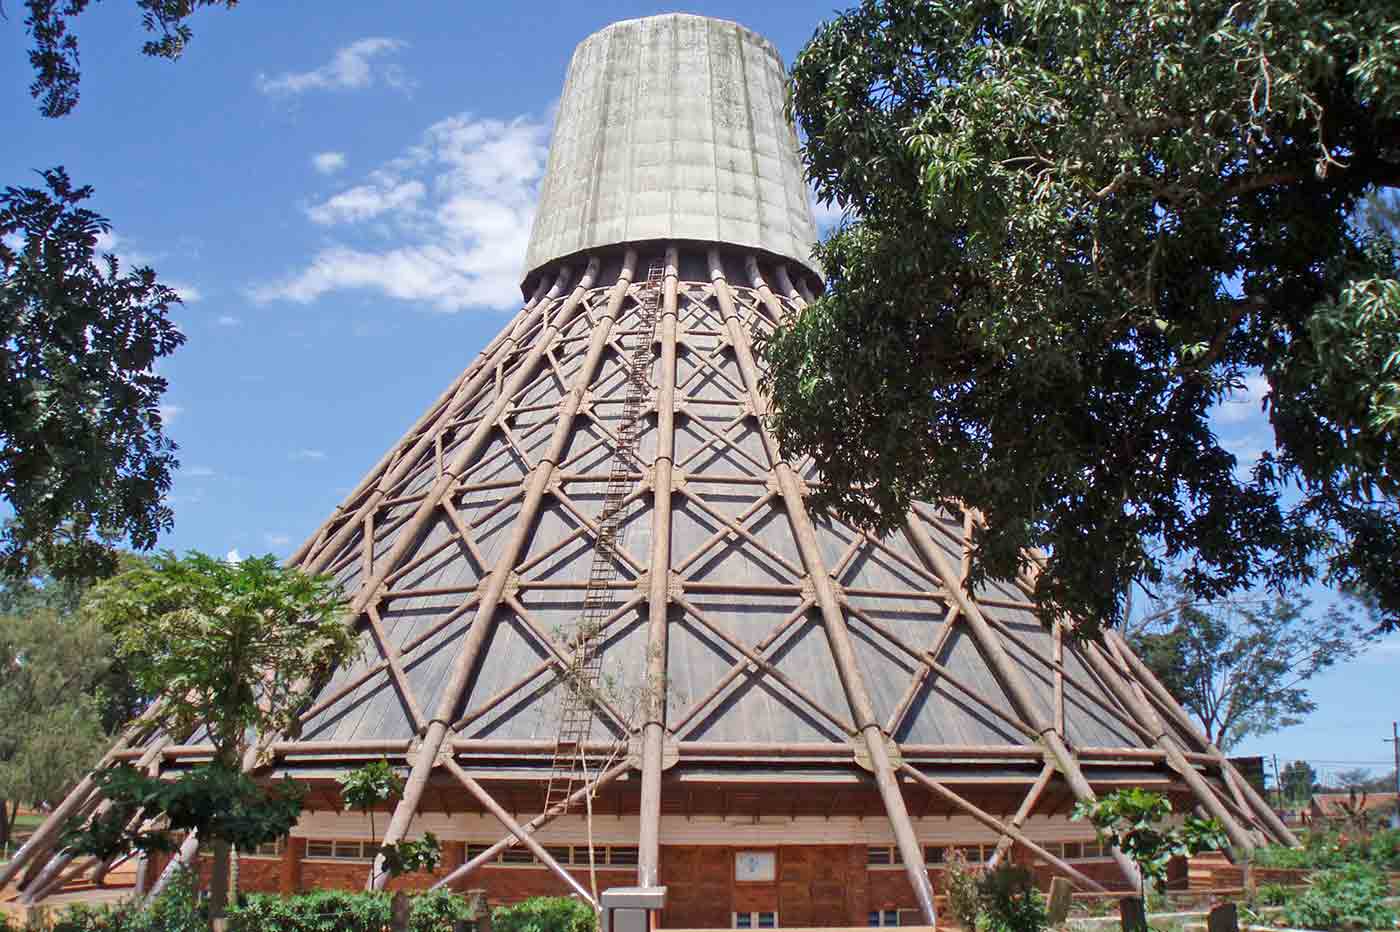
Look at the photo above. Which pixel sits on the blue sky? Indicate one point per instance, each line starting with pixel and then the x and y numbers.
pixel 342 192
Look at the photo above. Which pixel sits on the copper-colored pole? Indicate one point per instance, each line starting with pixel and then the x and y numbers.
pixel 527 839
pixel 389 480
pixel 1176 759
pixel 838 637
pixel 658 591
pixel 996 825
pixel 465 664
pixel 1008 674
pixel 1262 809
pixel 1022 813
pixel 537 823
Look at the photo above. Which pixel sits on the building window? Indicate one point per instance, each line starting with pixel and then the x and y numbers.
pixel 971 853
pixel 881 856
pixel 934 854
pixel 575 855
pixel 883 918
pixel 320 849
pixel 272 849
pixel 755 920
pixel 517 855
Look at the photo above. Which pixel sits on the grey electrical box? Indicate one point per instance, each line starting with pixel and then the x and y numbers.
pixel 628 909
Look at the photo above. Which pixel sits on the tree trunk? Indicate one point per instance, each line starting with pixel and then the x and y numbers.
pixel 6 820
pixel 218 880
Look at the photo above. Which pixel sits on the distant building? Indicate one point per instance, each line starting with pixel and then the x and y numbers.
pixel 1334 807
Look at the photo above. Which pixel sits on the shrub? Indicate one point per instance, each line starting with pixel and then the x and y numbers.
pixel 344 911
pixel 960 886
pixel 545 914
pixel 1350 895
pixel 1272 894
pixel 1010 902
pixel 323 911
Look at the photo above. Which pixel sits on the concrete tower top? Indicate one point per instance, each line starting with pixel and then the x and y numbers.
pixel 672 128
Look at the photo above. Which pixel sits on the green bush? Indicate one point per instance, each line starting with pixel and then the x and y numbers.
pixel 324 911
pixel 1334 849
pixel 1010 902
pixel 545 914
pixel 960 886
pixel 1342 896
pixel 1272 894
pixel 344 911
pixel 175 910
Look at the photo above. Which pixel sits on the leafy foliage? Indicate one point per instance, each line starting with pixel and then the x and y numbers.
pixel 1132 820
pixel 227 646
pixel 54 56
pixel 545 914
pixel 1337 898
pixel 1240 666
pixel 960 887
pixel 1010 902
pixel 51 704
pixel 1332 849
pixel 405 857
pixel 343 911
pixel 219 803
pixel 86 457
pixel 1297 781
pixel 370 785
pixel 177 910
pixel 1074 228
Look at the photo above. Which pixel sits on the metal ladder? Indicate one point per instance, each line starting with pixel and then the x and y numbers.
pixel 581 686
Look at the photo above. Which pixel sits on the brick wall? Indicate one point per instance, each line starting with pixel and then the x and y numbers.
pixel 816 885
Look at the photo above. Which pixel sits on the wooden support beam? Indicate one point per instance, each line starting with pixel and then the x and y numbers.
pixel 514 827
pixel 1277 829
pixel 1176 759
pixel 427 756
pixel 833 620
pixel 996 825
pixel 654 701
pixel 1022 813
pixel 1009 675
pixel 537 823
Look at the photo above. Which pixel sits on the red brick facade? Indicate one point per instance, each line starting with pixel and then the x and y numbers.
pixel 816 884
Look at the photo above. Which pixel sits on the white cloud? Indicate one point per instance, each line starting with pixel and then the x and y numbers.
pixel 1243 405
pixel 188 293
pixel 228 320
pixel 446 223
pixel 367 201
pixel 277 540
pixel 233 556
pixel 351 68
pixel 169 413
pixel 328 163
pixel 308 454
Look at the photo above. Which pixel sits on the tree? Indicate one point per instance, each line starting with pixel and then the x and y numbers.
pixel 1357 778
pixel 228 649
pixel 1073 228
pixel 1241 666
pixel 51 666
pixel 1135 821
pixel 54 56
pixel 1298 781
pixel 85 455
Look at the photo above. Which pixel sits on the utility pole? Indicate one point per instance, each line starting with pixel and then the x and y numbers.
pixel 1278 786
pixel 1394 741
